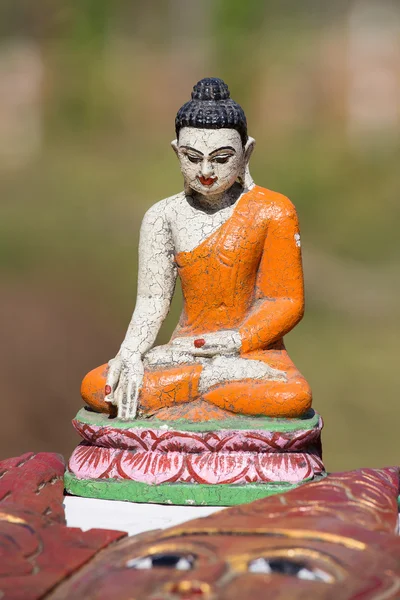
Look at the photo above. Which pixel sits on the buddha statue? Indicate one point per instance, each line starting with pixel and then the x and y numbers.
pixel 236 248
pixel 221 405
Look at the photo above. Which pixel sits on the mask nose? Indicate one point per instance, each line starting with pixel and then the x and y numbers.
pixel 206 169
pixel 188 590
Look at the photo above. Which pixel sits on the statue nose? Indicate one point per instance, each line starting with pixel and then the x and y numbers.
pixel 189 590
pixel 206 169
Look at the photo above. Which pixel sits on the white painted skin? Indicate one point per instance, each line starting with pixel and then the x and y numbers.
pixel 214 165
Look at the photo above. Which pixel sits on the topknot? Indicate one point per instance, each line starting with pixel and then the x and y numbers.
pixel 211 107
pixel 210 88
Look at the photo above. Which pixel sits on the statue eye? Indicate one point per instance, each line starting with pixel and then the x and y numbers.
pixel 284 566
pixel 193 159
pixel 180 562
pixel 222 159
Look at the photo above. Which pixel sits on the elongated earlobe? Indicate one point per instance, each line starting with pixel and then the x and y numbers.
pixel 186 187
pixel 248 149
pixel 245 179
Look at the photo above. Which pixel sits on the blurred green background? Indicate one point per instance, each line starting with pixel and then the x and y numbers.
pixel 88 97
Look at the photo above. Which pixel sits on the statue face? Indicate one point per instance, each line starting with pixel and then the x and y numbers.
pixel 211 159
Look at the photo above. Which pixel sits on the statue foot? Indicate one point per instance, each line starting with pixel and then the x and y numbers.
pixel 198 411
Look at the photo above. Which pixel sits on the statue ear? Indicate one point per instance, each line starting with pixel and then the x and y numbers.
pixel 245 179
pixel 248 149
pixel 175 146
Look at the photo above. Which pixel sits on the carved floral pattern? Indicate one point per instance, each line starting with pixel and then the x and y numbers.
pixel 227 440
pixel 168 455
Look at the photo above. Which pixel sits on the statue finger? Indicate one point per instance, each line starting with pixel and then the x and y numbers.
pixel 206 351
pixel 130 392
pixel 113 377
pixel 119 394
pixel 137 387
pixel 124 395
pixel 185 342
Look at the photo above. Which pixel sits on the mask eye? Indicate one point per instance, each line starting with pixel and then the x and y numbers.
pixel 284 566
pixel 180 562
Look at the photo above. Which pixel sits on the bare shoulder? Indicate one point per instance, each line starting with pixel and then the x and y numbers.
pixel 159 215
pixel 277 206
pixel 164 210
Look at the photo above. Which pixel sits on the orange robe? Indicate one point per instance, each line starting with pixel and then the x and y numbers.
pixel 248 276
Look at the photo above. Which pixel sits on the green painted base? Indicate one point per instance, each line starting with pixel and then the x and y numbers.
pixel 172 493
pixel 307 422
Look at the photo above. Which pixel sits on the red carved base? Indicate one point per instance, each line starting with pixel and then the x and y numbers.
pixel 166 454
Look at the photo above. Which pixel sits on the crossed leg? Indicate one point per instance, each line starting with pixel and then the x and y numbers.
pixel 264 383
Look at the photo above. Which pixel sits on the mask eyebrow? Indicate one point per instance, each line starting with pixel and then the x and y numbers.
pixel 223 148
pixel 192 150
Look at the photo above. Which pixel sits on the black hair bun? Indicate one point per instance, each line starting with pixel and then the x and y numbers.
pixel 210 88
pixel 211 107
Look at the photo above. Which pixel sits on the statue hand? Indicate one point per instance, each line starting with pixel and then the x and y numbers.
pixel 124 381
pixel 223 342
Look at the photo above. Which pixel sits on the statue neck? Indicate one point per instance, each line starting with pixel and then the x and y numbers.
pixel 216 202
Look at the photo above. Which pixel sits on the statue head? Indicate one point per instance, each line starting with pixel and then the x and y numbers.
pixel 211 143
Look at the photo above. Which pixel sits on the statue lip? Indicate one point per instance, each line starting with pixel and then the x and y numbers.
pixel 207 180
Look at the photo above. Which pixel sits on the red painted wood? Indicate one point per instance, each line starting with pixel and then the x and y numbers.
pixel 350 519
pixel 34 481
pixel 37 550
pixel 344 527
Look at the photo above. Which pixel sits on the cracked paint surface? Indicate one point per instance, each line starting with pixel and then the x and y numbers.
pixel 236 248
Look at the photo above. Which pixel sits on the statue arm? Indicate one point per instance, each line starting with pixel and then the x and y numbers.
pixel 156 281
pixel 279 304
